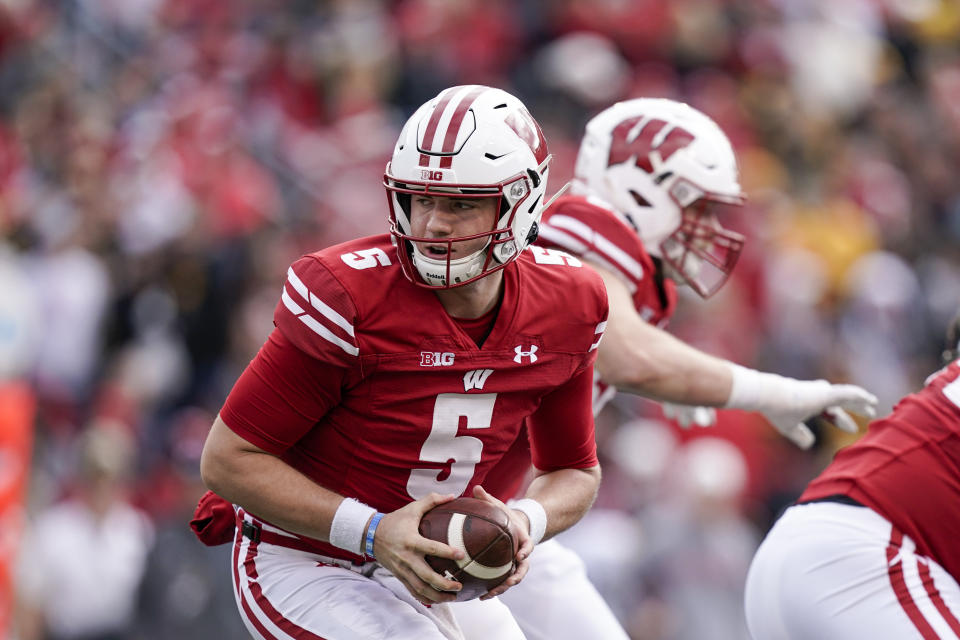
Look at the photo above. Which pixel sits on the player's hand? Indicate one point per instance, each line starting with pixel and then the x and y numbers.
pixel 806 401
pixel 686 415
pixel 521 529
pixel 399 548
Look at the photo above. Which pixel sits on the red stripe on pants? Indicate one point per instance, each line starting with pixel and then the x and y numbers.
pixel 262 630
pixel 937 599
pixel 275 616
pixel 895 571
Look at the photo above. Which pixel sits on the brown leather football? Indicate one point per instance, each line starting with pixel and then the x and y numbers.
pixel 482 531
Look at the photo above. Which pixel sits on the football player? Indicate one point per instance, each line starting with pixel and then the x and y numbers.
pixel 402 367
pixel 651 183
pixel 870 548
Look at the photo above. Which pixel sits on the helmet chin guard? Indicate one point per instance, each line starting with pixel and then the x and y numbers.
pixel 468 142
pixel 437 273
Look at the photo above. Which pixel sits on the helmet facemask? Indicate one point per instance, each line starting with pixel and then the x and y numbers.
pixel 700 252
pixel 444 271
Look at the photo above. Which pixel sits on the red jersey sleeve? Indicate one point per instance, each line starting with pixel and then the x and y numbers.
pixel 561 430
pixel 281 395
pixel 591 230
pixel 586 229
pixel 317 314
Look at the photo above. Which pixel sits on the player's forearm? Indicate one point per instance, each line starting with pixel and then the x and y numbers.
pixel 265 485
pixel 637 357
pixel 648 361
pixel 565 495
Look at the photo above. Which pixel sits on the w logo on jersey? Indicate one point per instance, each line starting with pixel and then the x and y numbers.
pixel 521 354
pixel 476 378
pixel 642 144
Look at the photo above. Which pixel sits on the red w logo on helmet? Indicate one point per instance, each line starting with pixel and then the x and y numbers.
pixel 529 131
pixel 622 149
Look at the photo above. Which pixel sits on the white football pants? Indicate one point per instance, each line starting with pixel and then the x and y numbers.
pixel 286 594
pixel 554 601
pixel 830 571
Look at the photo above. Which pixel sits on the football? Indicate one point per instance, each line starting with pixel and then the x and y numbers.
pixel 482 532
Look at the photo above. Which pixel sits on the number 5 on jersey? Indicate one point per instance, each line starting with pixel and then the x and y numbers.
pixel 444 446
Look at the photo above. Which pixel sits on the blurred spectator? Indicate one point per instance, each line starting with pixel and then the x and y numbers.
pixel 18 317
pixel 881 328
pixel 184 594
pixel 680 576
pixel 84 558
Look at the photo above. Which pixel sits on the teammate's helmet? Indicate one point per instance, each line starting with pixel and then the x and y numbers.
pixel 469 141
pixel 667 168
pixel 951 349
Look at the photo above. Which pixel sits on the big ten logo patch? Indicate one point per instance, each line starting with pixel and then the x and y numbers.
pixel 436 359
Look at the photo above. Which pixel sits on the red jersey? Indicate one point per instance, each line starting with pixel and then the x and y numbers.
pixel 907 468
pixel 587 227
pixel 369 388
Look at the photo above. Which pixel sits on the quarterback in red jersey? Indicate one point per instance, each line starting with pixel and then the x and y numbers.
pixel 652 180
pixel 870 549
pixel 402 368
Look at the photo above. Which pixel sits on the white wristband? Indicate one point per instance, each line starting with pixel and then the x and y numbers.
pixel 349 525
pixel 535 514
pixel 750 389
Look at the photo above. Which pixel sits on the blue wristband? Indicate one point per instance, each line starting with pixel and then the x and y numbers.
pixel 371 531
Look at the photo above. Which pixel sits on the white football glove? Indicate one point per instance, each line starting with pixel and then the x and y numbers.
pixel 686 415
pixel 787 403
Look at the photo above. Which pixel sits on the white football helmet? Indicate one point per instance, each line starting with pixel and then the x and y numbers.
pixel 666 168
pixel 469 141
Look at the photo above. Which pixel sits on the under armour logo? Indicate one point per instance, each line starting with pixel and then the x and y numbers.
pixel 475 379
pixel 521 354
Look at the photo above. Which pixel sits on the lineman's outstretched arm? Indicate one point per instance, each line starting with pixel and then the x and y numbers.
pixel 640 358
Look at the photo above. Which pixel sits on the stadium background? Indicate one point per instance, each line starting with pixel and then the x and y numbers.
pixel 163 161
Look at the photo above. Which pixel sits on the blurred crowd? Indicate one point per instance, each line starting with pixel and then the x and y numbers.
pixel 163 161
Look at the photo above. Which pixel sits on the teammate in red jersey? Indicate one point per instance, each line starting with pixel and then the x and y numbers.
pixel 870 549
pixel 652 180
pixel 401 369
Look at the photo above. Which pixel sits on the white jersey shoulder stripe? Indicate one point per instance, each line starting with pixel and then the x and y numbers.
pixel 577 248
pixel 315 326
pixel 599 333
pixel 626 263
pixel 562 239
pixel 318 304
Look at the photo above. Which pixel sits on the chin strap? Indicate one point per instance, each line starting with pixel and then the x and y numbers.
pixel 434 272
